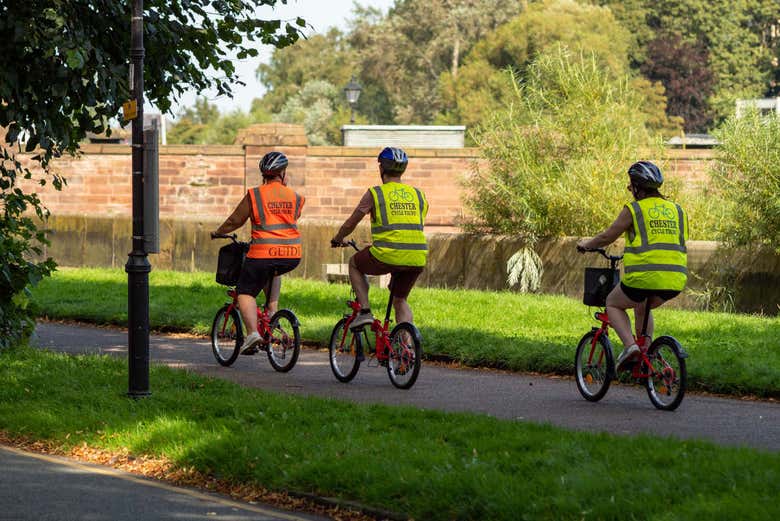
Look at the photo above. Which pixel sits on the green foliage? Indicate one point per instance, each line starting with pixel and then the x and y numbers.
pixel 557 155
pixel 20 240
pixel 319 108
pixel 396 58
pixel 326 57
pixel 741 37
pixel 65 74
pixel 203 124
pixel 748 175
pixel 479 87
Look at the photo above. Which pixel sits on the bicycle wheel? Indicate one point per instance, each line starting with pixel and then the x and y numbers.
pixel 594 366
pixel 343 352
pixel 284 344
pixel 227 335
pixel 405 356
pixel 669 377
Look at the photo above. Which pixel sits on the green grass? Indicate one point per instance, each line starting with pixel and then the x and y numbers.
pixel 729 353
pixel 425 464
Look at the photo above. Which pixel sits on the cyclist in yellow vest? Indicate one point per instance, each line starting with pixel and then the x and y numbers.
pixel 654 259
pixel 398 215
pixel 275 249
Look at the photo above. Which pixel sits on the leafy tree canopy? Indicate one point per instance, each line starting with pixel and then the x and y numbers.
pixel 204 124
pixel 65 73
pixel 480 86
pixel 741 37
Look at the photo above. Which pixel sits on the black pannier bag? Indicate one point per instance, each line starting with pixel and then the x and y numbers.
pixel 598 283
pixel 229 263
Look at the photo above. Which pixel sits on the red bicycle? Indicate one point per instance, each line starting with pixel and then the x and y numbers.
pixel 399 350
pixel 280 332
pixel 660 365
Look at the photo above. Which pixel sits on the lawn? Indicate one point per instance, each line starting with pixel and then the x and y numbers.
pixel 423 464
pixel 729 353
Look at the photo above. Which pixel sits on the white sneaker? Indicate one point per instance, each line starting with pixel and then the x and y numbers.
pixel 628 354
pixel 251 341
pixel 361 320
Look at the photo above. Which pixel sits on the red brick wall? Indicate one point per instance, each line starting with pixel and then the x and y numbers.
pixel 206 182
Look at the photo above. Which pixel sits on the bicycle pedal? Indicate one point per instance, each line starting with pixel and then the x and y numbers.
pixel 251 351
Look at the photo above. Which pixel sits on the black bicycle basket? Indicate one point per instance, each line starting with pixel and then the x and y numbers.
pixel 229 263
pixel 598 283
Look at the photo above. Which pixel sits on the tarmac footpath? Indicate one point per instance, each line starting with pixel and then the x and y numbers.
pixel 41 487
pixel 625 410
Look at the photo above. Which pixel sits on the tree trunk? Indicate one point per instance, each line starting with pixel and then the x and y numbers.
pixel 455 58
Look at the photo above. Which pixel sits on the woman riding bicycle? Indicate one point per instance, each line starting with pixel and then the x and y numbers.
pixel 275 249
pixel 655 258
pixel 399 247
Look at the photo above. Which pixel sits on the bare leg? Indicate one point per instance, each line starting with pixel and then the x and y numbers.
pixel 272 292
pixel 359 284
pixel 639 316
pixel 403 312
pixel 617 303
pixel 248 307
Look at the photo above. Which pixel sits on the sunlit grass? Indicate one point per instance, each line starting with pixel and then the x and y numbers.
pixel 423 464
pixel 729 353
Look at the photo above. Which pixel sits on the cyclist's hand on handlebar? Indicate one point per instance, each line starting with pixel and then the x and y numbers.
pixel 336 244
pixel 581 246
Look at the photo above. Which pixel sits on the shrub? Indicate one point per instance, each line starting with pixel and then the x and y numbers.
pixel 748 175
pixel 20 241
pixel 557 155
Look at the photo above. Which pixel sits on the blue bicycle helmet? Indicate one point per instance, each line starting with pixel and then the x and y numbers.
pixel 273 163
pixel 393 160
pixel 644 174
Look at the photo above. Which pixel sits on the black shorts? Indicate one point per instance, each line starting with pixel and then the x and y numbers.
pixel 402 278
pixel 257 273
pixel 640 295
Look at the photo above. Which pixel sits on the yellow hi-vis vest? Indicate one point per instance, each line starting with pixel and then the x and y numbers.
pixel 397 226
pixel 655 256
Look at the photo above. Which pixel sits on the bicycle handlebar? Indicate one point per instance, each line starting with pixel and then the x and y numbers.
pixel 600 251
pixel 231 236
pixel 344 244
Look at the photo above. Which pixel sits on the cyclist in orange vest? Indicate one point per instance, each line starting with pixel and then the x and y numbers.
pixel 275 248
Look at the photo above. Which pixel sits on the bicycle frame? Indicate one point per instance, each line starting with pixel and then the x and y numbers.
pixel 381 330
pixel 263 318
pixel 603 317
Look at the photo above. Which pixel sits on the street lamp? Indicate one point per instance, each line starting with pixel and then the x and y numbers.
pixel 352 91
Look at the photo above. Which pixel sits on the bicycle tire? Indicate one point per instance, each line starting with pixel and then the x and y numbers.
pixel 343 358
pixel 405 340
pixel 284 344
pixel 601 373
pixel 667 388
pixel 224 334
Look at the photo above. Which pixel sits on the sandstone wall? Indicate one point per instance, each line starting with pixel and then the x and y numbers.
pixel 750 278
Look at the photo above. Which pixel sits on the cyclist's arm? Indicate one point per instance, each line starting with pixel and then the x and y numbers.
pixel 237 218
pixel 363 208
pixel 610 235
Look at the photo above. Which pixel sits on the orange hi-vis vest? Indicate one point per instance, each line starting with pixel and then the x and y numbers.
pixel 275 213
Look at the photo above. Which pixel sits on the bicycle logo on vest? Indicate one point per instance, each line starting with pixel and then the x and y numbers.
pixel 660 210
pixel 662 221
pixel 401 202
pixel 399 194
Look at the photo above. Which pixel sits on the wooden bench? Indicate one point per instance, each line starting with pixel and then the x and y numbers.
pixel 340 273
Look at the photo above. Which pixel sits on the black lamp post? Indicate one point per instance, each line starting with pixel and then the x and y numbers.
pixel 138 266
pixel 352 91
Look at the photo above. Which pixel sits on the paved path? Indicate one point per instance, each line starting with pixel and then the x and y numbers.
pixel 37 487
pixel 625 409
